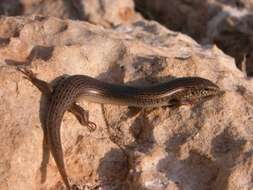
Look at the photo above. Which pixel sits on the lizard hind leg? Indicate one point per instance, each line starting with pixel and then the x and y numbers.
pixel 43 86
pixel 82 116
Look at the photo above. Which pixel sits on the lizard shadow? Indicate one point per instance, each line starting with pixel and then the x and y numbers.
pixel 38 52
pixel 44 102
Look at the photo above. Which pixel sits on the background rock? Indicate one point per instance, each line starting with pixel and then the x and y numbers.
pixel 103 12
pixel 205 146
pixel 228 24
pixel 107 12
pixel 57 8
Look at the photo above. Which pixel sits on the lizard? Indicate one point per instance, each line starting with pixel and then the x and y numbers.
pixel 63 97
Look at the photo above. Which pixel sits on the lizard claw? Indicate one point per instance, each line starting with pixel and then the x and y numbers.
pixel 91 126
pixel 29 75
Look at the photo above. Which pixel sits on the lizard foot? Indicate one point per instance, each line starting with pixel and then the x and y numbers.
pixel 82 116
pixel 43 86
pixel 29 75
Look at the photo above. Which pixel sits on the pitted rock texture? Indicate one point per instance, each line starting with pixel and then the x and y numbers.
pixel 204 146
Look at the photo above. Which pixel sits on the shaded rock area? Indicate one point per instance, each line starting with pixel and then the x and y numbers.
pixel 204 146
pixel 57 8
pixel 107 13
pixel 228 24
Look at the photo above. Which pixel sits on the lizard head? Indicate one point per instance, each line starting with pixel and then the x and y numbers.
pixel 195 90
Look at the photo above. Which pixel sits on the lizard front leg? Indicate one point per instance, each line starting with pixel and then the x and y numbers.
pixel 82 116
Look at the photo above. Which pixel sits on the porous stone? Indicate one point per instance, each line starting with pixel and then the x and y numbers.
pixel 204 146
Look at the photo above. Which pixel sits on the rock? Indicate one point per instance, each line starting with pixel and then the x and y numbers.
pixel 228 24
pixel 204 146
pixel 231 30
pixel 189 17
pixel 57 8
pixel 107 13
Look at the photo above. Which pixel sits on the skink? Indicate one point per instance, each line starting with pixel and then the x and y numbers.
pixel 63 97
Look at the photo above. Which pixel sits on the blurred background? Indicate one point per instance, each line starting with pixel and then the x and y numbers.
pixel 227 24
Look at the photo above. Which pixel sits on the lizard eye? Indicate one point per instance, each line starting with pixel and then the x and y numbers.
pixel 206 91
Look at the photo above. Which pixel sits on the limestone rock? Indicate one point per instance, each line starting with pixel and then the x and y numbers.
pixel 204 146
pixel 228 24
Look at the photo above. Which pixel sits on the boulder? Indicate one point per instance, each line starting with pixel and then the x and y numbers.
pixel 203 146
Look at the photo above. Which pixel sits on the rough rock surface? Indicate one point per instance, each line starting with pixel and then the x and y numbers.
pixel 205 146
pixel 228 24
